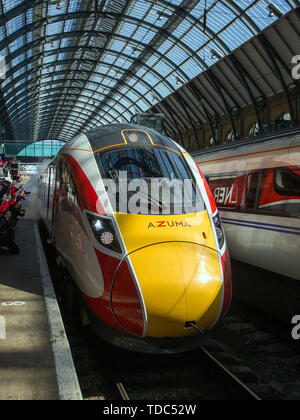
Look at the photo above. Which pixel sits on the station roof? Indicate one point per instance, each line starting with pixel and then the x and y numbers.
pixel 72 65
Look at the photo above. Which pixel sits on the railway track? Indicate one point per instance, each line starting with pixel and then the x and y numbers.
pixel 241 390
pixel 232 377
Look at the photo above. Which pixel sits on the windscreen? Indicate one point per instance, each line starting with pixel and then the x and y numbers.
pixel 149 180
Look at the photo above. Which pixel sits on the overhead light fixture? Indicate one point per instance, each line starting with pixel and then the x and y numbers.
pixel 215 54
pixel 273 11
pixel 58 7
pixel 162 15
pixel 136 50
pixel 52 44
pixel 179 81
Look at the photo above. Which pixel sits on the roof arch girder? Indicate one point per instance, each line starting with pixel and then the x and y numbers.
pixel 149 69
pixel 37 42
pixel 24 106
pixel 125 18
pixel 11 97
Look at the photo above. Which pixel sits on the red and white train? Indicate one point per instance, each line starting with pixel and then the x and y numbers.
pixel 148 282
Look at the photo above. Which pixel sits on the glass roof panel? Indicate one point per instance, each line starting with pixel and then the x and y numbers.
pixel 166 45
pixel 177 55
pixel 15 24
pixel 10 4
pixel 163 68
pixel 218 17
pixel 195 38
pixel 143 35
pixel 198 10
pixel 259 13
pixel 191 67
pixel 236 32
pixel 2 33
pixel 16 44
pixel 111 66
pixel 243 4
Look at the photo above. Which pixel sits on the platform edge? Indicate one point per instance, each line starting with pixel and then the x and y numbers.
pixel 68 384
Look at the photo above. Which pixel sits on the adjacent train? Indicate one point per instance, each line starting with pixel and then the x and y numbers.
pixel 256 186
pixel 153 271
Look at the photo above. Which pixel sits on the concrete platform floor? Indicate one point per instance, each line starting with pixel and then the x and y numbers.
pixel 27 368
pixel 27 359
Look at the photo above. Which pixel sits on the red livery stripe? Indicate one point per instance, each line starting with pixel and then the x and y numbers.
pixel 226 266
pixel 85 191
pixel 126 303
pixel 209 193
pixel 101 306
pixel 119 307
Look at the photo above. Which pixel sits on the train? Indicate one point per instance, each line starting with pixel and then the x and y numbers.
pixel 256 186
pixel 135 224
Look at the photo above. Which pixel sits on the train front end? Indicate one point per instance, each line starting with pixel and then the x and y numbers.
pixel 161 246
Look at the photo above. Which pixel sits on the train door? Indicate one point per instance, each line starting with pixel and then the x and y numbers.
pixel 48 193
pixel 253 191
pixel 51 195
pixel 57 201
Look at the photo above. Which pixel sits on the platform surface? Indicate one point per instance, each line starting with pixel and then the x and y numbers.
pixel 28 368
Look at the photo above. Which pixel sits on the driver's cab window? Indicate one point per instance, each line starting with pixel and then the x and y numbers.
pixel 160 175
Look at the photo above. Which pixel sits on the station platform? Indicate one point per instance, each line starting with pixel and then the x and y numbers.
pixel 35 358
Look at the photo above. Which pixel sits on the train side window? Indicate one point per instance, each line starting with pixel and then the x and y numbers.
pixel 286 191
pixel 279 193
pixel 287 181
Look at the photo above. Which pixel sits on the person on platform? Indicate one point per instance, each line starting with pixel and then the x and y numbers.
pixel 11 195
pixel 7 243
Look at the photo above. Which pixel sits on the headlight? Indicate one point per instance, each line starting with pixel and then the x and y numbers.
pixel 104 232
pixel 219 230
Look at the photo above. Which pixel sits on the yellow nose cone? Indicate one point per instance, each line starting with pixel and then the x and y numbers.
pixel 180 282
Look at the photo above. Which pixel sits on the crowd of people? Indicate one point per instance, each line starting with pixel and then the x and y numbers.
pixel 11 196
